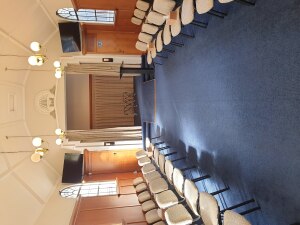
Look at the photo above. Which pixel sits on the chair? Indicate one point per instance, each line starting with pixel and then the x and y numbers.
pixel 139 45
pixel 153 50
pixel 233 218
pixel 142 5
pixel 163 6
pixel 209 209
pixel 150 204
pixel 149 58
pixel 141 154
pixel 240 1
pixel 167 38
pixel 155 18
pixel 149 28
pixel 176 25
pixel 178 214
pixel 139 14
pixel 143 161
pixel 204 6
pixel 159 42
pixel 187 14
pixel 211 215
pixel 169 198
pixel 136 21
pixel 146 38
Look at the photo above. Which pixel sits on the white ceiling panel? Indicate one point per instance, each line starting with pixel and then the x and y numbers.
pixel 20 207
pixel 35 26
pixel 13 12
pixel 53 6
pixel 39 177
pixel 3 164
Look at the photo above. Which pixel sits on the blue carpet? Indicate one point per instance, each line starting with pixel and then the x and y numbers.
pixel 230 100
pixel 145 92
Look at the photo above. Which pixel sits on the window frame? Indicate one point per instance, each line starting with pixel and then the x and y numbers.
pixel 98 14
pixel 84 190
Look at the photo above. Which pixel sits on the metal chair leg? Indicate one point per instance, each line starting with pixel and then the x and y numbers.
pixel 245 2
pixel 162 56
pixel 220 191
pixel 158 143
pixel 175 160
pixel 170 153
pixel 199 24
pixel 238 205
pixel 188 168
pixel 217 13
pixel 201 178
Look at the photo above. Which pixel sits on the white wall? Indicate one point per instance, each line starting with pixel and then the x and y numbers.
pixel 58 210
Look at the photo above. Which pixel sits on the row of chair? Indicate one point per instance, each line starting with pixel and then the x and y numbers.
pixel 165 19
pixel 167 196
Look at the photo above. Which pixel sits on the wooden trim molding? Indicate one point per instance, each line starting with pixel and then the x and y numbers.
pixel 75 211
pixel 75 4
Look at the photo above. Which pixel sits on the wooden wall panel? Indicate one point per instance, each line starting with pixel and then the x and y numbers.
pixel 107 102
pixel 122 29
pixel 109 162
pixel 105 4
pixel 111 216
pixel 108 202
pixel 123 177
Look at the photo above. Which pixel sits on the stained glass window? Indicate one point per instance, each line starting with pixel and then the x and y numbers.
pixel 90 189
pixel 87 15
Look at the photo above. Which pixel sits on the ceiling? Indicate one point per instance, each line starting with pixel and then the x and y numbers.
pixel 27 188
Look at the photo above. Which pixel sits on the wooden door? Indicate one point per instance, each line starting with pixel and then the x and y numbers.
pixel 110 161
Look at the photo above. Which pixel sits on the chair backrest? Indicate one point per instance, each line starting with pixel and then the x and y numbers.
pixel 139 14
pixel 149 28
pixel 203 6
pixel 142 5
pixel 167 34
pixel 233 218
pixel 208 209
pixel 178 180
pixel 169 168
pixel 136 21
pixel 164 6
pixel 141 46
pixel 159 43
pixel 146 38
pixel 191 195
pixel 149 57
pixel 153 50
pixel 156 155
pixel 161 162
pixel 187 12
pixel 176 27
pixel 155 18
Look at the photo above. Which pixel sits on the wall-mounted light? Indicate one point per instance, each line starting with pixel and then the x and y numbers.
pixel 61 135
pixel 37 59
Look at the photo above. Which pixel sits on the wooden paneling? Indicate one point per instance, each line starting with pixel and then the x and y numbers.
pixel 113 42
pixel 108 202
pixel 123 34
pixel 108 210
pixel 111 216
pixel 105 4
pixel 108 162
pixel 107 102
pixel 91 42
pixel 124 176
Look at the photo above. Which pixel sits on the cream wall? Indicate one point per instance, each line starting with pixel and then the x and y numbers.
pixel 78 105
pixel 58 210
